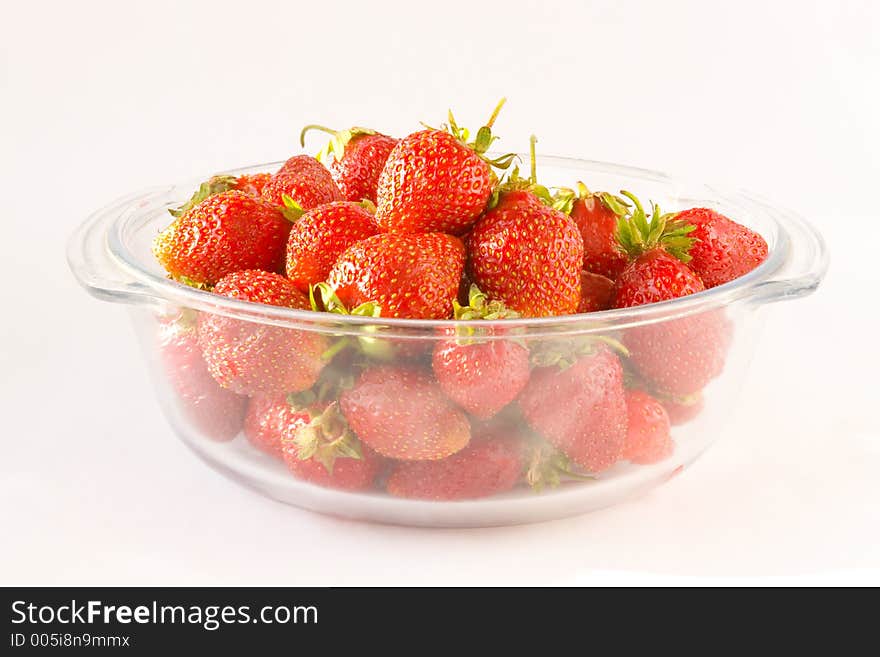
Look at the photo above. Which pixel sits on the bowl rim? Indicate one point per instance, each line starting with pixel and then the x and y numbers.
pixel 156 288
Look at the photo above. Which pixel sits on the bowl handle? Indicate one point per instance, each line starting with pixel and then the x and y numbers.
pixel 806 258
pixel 92 262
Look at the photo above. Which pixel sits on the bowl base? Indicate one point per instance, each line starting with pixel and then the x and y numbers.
pixel 238 461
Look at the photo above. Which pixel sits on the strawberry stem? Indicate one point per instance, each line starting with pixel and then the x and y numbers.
pixel 330 353
pixel 616 345
pixel 533 160
pixel 314 126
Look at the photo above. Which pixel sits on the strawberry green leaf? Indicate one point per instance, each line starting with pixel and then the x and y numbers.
pixel 563 200
pixel 547 467
pixel 186 280
pixel 301 400
pixel 291 210
pixel 617 205
pixel 339 139
pixel 213 185
pixel 483 139
pixel 637 233
pixel 323 299
pixel 481 307
pixel 327 438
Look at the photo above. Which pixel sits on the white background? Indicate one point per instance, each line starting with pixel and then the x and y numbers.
pixel 101 98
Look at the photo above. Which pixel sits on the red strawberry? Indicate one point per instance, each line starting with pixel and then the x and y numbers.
pixel 652 277
pixel 683 409
pixel 724 250
pixel 596 215
pixel 647 435
pixel 320 236
pixel 250 184
pixel 268 418
pixel 414 276
pixel 658 250
pixel 434 181
pixel 527 255
pixel 305 180
pixel 215 412
pixel 347 473
pixel 226 232
pixel 597 293
pixel 256 359
pixel 581 408
pixel 359 154
pixel 401 413
pixel 492 463
pixel 323 451
pixel 675 357
pixel 482 376
pixel 679 357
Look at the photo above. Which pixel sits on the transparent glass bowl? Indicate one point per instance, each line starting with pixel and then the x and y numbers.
pixel 110 256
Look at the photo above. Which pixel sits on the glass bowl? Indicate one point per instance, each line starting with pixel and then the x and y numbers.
pixel 110 256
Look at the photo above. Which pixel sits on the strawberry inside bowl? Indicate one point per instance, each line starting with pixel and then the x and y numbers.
pixel 371 395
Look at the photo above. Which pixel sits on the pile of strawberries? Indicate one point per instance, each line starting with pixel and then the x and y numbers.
pixel 431 227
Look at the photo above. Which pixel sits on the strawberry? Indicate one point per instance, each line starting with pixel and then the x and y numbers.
pixel 597 293
pixel 596 215
pixel 647 434
pixel 215 412
pixel 268 418
pixel 482 376
pixel 400 412
pixel 322 450
pixel 683 409
pixel 437 181
pixel 227 232
pixel 250 184
pixel 680 409
pixel 580 408
pixel 679 357
pixel 675 357
pixel 346 474
pixel 492 463
pixel 652 277
pixel 320 236
pixel 527 255
pixel 724 250
pixel 253 183
pixel 359 155
pixel 414 276
pixel 304 180
pixel 251 358
pixel 658 250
